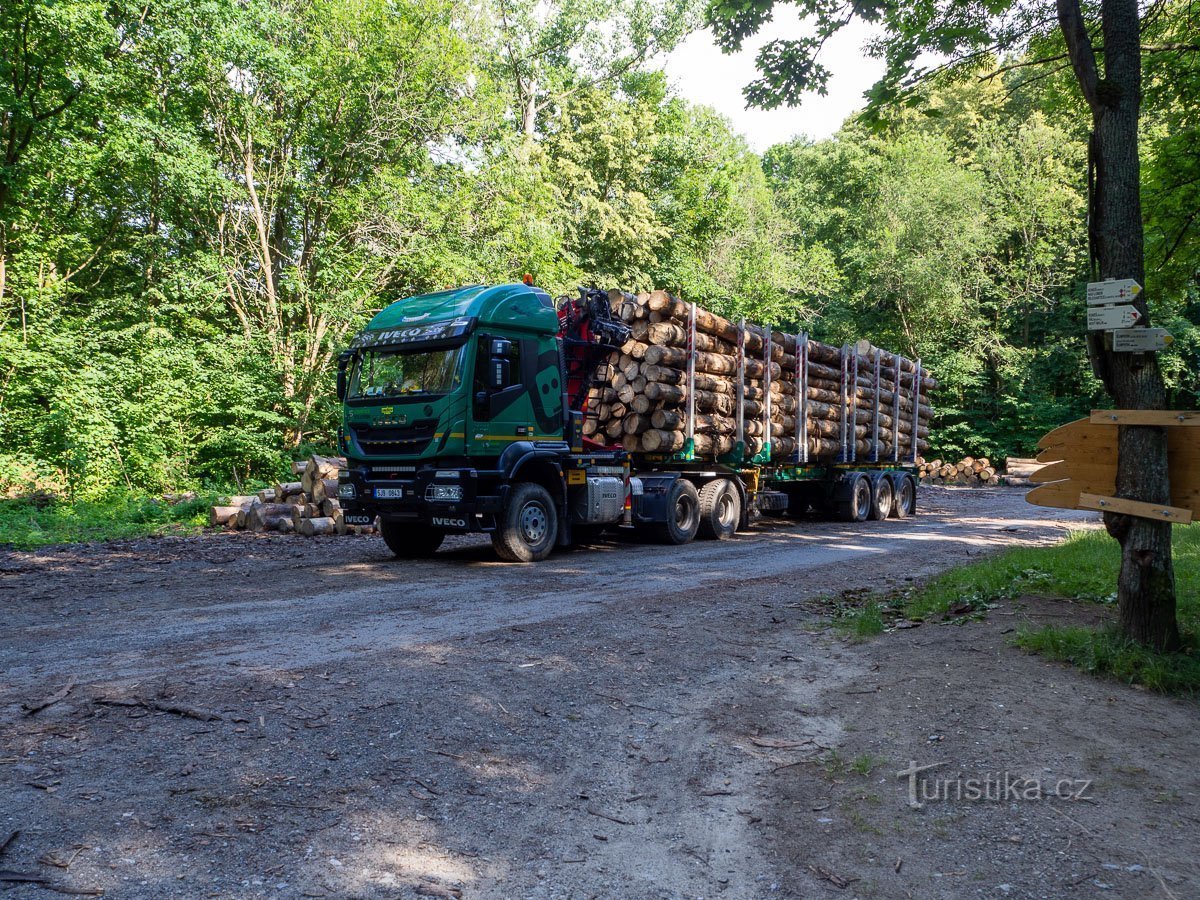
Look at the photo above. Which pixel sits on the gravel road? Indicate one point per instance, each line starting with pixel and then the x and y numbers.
pixel 261 715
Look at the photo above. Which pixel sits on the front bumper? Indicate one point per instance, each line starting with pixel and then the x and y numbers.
pixel 421 495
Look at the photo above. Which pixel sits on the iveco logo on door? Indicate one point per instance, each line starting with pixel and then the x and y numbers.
pixel 450 523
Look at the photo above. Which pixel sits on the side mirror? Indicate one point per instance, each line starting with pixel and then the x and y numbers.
pixel 499 373
pixel 344 360
pixel 501 347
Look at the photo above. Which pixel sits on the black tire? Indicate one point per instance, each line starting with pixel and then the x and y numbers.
pixel 905 503
pixel 720 509
pixel 683 516
pixel 858 506
pixel 882 498
pixel 528 528
pixel 409 541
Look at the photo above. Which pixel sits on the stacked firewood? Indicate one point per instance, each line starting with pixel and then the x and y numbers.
pixel 641 403
pixel 967 470
pixel 308 507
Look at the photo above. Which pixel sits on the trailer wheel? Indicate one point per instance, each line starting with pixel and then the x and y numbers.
pixel 528 527
pixel 857 506
pixel 683 516
pixel 883 498
pixel 720 509
pixel 408 541
pixel 905 503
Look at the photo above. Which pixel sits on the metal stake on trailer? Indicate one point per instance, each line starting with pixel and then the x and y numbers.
pixel 875 423
pixel 766 380
pixel 802 390
pixel 691 379
pixel 843 404
pixel 897 361
pixel 916 409
pixel 853 395
pixel 741 383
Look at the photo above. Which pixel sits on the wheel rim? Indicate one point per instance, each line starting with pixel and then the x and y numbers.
pixel 726 514
pixel 534 522
pixel 906 495
pixel 684 510
pixel 863 493
pixel 886 499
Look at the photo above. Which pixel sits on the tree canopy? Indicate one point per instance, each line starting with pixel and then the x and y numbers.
pixel 200 201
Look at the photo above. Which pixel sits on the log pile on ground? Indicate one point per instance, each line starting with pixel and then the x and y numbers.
pixel 307 507
pixel 641 403
pixel 967 470
pixel 1018 469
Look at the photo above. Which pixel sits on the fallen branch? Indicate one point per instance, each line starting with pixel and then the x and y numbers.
pixel 600 815
pixel 11 877
pixel 175 709
pixel 61 693
pixel 832 878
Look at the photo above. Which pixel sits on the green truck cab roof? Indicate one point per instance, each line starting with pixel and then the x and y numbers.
pixel 516 306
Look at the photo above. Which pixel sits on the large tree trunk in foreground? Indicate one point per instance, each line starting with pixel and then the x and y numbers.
pixel 1146 585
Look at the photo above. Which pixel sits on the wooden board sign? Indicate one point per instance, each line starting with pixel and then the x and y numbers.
pixel 1080 465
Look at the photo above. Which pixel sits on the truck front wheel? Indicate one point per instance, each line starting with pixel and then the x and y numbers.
pixel 410 541
pixel 720 509
pixel 528 527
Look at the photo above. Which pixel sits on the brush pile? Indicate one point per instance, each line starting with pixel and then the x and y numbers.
pixel 850 403
pixel 307 507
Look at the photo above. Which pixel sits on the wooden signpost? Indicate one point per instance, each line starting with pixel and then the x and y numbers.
pixel 1080 470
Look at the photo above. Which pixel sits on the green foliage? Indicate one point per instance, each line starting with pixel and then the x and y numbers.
pixel 201 201
pixel 1110 654
pixel 25 524
pixel 957 238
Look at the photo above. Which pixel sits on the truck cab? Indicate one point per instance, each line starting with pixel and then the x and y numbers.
pixel 455 420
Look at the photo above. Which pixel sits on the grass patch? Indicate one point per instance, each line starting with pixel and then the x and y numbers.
pixel 1083 567
pixel 1109 653
pixel 861 623
pixel 25 524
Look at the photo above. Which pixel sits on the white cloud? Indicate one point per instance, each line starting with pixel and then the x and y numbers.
pixel 704 75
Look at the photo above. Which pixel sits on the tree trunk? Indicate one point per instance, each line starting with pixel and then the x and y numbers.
pixel 1146 584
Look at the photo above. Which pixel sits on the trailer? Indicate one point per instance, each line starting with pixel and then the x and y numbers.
pixel 465 411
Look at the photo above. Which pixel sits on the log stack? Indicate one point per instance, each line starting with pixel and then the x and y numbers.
pixel 849 403
pixel 308 507
pixel 968 470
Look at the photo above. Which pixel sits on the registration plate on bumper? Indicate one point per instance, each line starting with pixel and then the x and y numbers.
pixel 389 493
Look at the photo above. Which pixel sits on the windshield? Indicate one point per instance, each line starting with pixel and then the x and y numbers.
pixel 381 373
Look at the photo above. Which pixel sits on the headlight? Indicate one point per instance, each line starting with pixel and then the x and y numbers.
pixel 346 491
pixel 449 492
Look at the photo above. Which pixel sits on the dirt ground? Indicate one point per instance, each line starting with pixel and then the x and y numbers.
pixel 261 715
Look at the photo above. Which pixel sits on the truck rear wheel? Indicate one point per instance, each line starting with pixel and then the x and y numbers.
pixel 882 498
pixel 409 541
pixel 720 509
pixel 528 527
pixel 905 503
pixel 683 514
pixel 857 505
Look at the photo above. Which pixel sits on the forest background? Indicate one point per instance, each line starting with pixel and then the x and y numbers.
pixel 201 200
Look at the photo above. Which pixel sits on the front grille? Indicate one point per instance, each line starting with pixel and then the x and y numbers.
pixel 390 441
